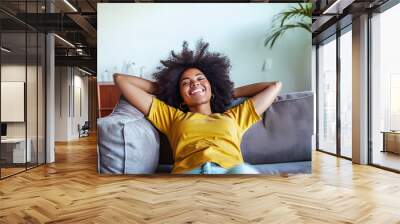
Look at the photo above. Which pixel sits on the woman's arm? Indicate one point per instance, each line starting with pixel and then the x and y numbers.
pixel 137 91
pixel 262 94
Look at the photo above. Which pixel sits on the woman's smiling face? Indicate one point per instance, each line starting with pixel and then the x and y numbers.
pixel 194 87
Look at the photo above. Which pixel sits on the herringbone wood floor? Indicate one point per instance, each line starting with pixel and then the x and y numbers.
pixel 71 191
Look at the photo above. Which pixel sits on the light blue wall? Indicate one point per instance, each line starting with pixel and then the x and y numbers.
pixel 146 33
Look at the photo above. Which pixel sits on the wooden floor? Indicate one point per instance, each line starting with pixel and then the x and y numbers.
pixel 387 159
pixel 71 191
pixel 10 171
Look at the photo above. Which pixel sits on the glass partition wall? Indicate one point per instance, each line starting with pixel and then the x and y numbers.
pixel 22 78
pixel 13 86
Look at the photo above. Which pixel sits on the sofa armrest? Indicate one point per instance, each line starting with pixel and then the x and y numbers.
pixel 127 142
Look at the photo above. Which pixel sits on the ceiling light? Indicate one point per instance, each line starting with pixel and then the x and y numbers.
pixel 65 41
pixel 70 5
pixel 338 6
pixel 5 50
pixel 86 72
pixel 79 51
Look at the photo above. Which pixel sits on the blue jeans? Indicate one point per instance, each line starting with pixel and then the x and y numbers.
pixel 213 168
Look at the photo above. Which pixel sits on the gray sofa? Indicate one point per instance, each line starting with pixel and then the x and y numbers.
pixel 280 143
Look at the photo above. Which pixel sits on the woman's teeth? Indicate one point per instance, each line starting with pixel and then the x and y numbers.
pixel 196 91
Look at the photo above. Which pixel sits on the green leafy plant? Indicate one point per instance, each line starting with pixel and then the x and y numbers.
pixel 293 18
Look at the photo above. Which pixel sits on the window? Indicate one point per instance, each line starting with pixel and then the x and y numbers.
pixel 394 102
pixel 385 89
pixel 346 94
pixel 327 96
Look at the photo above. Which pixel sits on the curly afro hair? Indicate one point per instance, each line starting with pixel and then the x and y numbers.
pixel 215 67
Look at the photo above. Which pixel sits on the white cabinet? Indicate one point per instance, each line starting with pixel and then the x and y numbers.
pixel 13 150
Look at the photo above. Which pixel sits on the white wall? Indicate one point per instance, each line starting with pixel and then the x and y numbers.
pixel 80 84
pixel 146 33
pixel 67 116
pixel 14 72
pixel 61 103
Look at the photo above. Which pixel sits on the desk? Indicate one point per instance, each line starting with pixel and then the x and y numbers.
pixel 13 150
pixel 391 141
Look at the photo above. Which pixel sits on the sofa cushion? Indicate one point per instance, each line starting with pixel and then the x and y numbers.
pixel 270 169
pixel 284 133
pixel 303 167
pixel 127 142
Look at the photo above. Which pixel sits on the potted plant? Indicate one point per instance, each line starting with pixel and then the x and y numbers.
pixel 296 17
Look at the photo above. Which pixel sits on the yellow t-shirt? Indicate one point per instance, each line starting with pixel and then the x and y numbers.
pixel 196 138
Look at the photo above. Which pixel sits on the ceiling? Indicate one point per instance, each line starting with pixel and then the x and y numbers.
pixel 76 22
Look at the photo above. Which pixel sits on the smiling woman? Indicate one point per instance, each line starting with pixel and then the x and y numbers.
pixel 214 68
pixel 204 136
pixel 195 90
